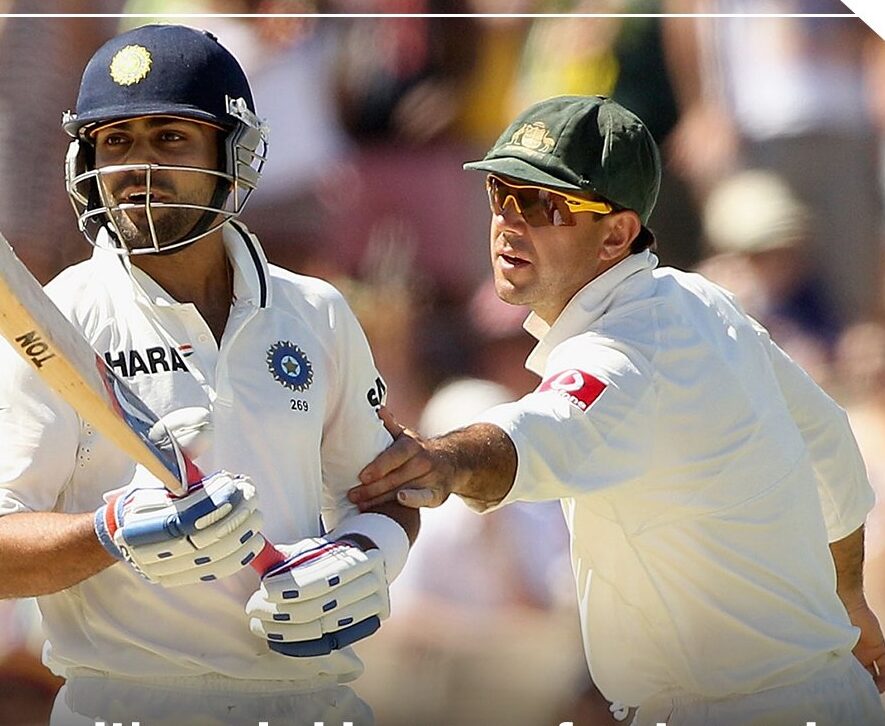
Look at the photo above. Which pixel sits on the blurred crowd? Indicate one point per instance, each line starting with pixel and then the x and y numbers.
pixel 772 132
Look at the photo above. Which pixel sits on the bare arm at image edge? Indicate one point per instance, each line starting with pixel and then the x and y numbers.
pixel 848 558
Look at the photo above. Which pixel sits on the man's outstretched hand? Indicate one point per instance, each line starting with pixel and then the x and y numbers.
pixel 412 471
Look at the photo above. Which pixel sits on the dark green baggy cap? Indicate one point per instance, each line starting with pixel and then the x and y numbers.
pixel 581 143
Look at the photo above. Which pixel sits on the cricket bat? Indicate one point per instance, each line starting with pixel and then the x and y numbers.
pixel 63 358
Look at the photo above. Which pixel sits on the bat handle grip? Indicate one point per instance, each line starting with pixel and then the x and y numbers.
pixel 269 555
pixel 267 558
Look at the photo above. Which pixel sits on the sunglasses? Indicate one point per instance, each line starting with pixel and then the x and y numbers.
pixel 538 206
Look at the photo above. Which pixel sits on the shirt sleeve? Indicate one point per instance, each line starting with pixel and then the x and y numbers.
pixel 353 434
pixel 39 439
pixel 844 489
pixel 586 428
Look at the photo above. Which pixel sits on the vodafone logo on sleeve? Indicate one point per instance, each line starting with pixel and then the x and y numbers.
pixel 579 388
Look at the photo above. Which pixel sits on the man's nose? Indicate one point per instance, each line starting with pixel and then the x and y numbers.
pixel 132 178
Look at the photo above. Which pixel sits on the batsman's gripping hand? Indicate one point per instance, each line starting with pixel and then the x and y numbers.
pixel 210 532
pixel 325 596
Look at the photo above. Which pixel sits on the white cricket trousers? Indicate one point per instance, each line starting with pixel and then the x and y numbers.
pixel 206 701
pixel 841 694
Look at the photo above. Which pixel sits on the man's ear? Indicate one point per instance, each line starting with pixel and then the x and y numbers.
pixel 623 228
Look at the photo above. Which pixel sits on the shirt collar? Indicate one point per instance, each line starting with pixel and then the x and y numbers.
pixel 249 264
pixel 251 273
pixel 587 306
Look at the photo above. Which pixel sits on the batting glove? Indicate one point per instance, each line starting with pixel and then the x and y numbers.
pixel 209 533
pixel 329 593
pixel 192 428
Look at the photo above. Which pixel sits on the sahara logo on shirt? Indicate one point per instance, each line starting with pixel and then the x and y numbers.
pixel 577 387
pixel 129 363
pixel 290 365
pixel 377 394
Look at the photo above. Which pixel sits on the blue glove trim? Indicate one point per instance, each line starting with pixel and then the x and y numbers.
pixel 350 635
pixel 329 642
pixel 174 526
pixel 101 531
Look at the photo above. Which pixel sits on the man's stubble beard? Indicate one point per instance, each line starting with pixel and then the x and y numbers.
pixel 171 224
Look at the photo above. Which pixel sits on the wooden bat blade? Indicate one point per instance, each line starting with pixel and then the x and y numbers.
pixel 63 358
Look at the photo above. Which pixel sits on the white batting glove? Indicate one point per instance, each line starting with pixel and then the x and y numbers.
pixel 209 533
pixel 192 428
pixel 325 596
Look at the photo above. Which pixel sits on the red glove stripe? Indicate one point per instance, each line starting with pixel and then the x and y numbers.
pixel 307 557
pixel 110 515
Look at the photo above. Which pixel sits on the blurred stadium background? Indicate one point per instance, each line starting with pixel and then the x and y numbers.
pixel 772 134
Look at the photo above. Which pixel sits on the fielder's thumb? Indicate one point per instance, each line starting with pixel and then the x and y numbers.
pixel 415 498
pixel 192 428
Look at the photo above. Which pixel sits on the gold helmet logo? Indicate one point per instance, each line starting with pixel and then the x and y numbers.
pixel 130 65
pixel 533 136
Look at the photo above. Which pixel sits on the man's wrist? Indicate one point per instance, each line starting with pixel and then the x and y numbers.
pixel 852 598
pixel 104 524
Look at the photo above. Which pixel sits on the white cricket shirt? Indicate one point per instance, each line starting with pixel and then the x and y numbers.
pixel 701 473
pixel 291 388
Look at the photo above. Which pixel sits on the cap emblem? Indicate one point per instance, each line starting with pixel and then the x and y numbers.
pixel 533 136
pixel 130 65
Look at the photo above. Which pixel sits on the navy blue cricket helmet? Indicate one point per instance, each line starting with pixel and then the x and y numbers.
pixel 163 70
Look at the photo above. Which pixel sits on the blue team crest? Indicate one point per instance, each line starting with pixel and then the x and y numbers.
pixel 290 365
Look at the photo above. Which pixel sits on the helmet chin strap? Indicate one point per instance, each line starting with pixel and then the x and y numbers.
pixel 201 228
pixel 219 198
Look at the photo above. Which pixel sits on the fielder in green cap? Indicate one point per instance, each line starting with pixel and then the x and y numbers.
pixel 714 490
pixel 589 145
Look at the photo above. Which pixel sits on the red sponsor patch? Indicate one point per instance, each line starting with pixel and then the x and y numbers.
pixel 579 388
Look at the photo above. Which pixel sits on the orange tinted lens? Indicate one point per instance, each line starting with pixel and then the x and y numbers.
pixel 556 209
pixel 538 207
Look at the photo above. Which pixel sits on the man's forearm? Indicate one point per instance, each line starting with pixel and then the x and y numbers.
pixel 44 552
pixel 478 463
pixel 848 556
pixel 484 460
